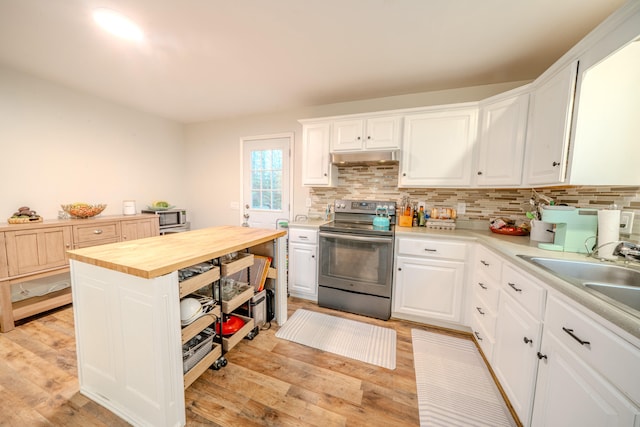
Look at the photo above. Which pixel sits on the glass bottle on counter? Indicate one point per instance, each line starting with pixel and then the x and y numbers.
pixel 415 216
pixel 421 219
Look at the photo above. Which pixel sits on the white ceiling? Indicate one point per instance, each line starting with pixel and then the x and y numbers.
pixel 212 59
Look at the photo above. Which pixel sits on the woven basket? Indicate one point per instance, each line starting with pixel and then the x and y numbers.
pixel 23 220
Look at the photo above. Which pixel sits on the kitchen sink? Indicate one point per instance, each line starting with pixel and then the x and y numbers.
pixel 616 284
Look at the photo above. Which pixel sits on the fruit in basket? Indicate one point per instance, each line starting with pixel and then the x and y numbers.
pixel 83 210
pixel 160 204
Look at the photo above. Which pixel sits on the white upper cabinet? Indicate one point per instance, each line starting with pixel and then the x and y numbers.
pixel 317 169
pixel 503 125
pixel 375 133
pixel 549 127
pixel 438 147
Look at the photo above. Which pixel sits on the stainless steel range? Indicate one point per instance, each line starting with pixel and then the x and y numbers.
pixel 356 258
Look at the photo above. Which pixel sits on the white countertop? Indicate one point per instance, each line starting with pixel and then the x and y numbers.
pixel 509 247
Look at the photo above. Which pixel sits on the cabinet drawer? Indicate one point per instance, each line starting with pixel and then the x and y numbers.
pixel 488 262
pixel 95 232
pixel 432 248
pixel 487 290
pixel 485 340
pixel 484 316
pixel 523 289
pixel 612 356
pixel 303 235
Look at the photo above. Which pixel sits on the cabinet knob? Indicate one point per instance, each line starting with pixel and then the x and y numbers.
pixel 541 356
pixel 485 263
pixel 399 269
pixel 98 231
pixel 369 137
pixel 404 174
pixel 325 174
pixel 527 340
pixel 313 256
pixel 359 138
pixel 555 164
pixel 479 172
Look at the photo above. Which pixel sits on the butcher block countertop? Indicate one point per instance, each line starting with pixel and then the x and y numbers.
pixel 160 255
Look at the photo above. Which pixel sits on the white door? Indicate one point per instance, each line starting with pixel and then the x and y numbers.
pixel 265 180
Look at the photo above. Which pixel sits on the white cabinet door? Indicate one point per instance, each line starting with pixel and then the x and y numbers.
pixel 502 137
pixel 347 135
pixel 428 289
pixel 549 128
pixel 515 359
pixel 571 394
pixel 383 133
pixel 316 164
pixel 438 148
pixel 303 271
pixel 375 133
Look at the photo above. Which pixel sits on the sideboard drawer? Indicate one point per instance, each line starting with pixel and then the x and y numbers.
pixel 84 235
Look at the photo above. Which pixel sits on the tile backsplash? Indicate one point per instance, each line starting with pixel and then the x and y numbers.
pixel 381 183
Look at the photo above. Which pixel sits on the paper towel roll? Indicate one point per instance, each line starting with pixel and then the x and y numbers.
pixel 608 232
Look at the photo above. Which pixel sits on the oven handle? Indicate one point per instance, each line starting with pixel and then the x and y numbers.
pixel 358 238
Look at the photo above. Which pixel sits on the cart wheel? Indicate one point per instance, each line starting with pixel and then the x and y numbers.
pixel 224 362
pixel 216 365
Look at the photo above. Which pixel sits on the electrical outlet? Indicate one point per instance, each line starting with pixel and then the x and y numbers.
pixel 626 222
pixel 462 208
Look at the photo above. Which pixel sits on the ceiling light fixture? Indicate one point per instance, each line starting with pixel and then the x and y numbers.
pixel 117 24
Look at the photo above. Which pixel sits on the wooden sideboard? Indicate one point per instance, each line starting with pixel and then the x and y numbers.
pixel 38 250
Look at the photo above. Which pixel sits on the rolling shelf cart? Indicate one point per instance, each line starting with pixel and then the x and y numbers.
pixel 214 318
pixel 188 332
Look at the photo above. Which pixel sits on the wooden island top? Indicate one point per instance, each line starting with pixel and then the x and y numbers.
pixel 160 255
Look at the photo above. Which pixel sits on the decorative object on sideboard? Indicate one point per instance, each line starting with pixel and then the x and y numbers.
pixel 23 215
pixel 83 210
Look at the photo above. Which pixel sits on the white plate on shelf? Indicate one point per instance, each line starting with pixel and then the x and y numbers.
pixel 152 208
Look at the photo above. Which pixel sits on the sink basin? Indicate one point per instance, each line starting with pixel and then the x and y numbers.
pixel 614 283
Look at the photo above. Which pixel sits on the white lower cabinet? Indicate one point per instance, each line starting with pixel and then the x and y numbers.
pixel 571 394
pixel 429 284
pixel 588 376
pixel 515 359
pixel 303 263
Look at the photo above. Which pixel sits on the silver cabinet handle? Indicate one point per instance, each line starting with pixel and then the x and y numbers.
pixel 98 231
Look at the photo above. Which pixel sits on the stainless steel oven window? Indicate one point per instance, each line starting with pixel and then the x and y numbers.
pixel 356 263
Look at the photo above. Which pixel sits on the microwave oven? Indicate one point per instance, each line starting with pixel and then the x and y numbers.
pixel 170 218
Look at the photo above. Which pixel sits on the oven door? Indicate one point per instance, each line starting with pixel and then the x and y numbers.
pixel 356 263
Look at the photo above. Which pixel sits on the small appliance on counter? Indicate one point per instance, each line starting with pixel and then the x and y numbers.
pixel 171 220
pixel 574 227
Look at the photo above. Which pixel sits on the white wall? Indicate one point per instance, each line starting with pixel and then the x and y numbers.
pixel 213 148
pixel 61 146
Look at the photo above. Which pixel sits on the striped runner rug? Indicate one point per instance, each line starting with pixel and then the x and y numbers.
pixel 454 385
pixel 356 340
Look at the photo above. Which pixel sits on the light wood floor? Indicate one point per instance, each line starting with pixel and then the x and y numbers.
pixel 267 382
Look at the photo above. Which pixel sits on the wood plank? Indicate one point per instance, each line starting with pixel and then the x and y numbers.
pixel 160 255
pixel 267 382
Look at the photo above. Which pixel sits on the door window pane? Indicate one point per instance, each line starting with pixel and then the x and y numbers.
pixel 266 179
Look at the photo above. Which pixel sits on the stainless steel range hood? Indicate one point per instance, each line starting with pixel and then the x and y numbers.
pixel 368 158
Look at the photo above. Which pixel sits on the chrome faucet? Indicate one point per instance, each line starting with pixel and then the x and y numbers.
pixel 629 251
